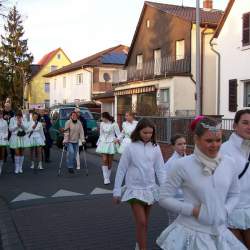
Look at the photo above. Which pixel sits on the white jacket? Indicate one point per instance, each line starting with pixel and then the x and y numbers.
pixel 139 164
pixel 37 132
pixel 127 129
pixel 3 129
pixel 217 194
pixel 108 132
pixel 14 128
pixel 239 151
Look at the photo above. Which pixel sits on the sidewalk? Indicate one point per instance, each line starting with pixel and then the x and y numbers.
pixel 9 239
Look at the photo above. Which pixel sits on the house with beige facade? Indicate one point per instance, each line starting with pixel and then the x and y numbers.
pixel 88 79
pixel 231 43
pixel 159 73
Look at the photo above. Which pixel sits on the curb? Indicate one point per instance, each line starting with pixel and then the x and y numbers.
pixel 10 239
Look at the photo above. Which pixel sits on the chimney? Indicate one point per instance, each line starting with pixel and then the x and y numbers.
pixel 207 4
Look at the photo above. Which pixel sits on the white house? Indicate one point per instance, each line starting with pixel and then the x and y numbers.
pixel 87 79
pixel 231 42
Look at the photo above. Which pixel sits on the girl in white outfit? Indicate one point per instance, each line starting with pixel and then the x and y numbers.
pixel 37 140
pixel 179 144
pixel 211 191
pixel 127 128
pixel 3 138
pixel 238 147
pixel 140 162
pixel 106 144
pixel 19 139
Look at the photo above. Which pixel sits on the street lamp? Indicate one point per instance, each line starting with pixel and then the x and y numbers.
pixel 198 62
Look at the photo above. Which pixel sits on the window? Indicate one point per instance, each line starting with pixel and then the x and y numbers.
pixel 54 84
pixel 53 67
pixel 64 82
pixel 148 23
pixel 232 102
pixel 247 94
pixel 139 62
pixel 55 101
pixel 163 96
pixel 46 87
pixel 246 29
pixel 46 103
pixel 58 56
pixel 79 78
pixel 64 101
pixel 157 62
pixel 180 49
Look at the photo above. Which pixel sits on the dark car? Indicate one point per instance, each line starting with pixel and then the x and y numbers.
pixel 59 117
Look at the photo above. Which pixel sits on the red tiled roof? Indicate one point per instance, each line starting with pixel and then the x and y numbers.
pixel 48 57
pixel 88 61
pixel 188 13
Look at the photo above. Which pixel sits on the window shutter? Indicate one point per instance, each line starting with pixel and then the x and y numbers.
pixel 246 29
pixel 233 95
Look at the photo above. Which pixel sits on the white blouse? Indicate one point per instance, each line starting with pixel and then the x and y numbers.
pixel 3 129
pixel 139 164
pixel 169 164
pixel 217 194
pixel 127 129
pixel 37 131
pixel 236 148
pixel 14 128
pixel 108 132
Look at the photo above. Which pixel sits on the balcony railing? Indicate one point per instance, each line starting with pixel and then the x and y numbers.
pixel 153 69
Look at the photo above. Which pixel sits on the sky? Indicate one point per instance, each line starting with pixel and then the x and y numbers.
pixel 83 27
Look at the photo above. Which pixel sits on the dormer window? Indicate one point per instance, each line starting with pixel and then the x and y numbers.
pixel 148 23
pixel 180 49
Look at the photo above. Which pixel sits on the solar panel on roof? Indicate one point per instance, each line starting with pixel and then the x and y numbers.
pixel 114 58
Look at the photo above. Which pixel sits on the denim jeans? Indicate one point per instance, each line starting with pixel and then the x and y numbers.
pixel 72 149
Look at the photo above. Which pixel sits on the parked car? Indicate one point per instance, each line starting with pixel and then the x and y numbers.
pixel 61 114
pixel 97 117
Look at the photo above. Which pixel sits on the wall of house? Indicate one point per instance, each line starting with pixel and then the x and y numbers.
pixel 159 36
pixel 235 59
pixel 209 86
pixel 37 92
pixel 73 90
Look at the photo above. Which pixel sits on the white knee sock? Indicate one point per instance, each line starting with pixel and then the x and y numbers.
pixel 21 159
pixel 1 166
pixel 17 164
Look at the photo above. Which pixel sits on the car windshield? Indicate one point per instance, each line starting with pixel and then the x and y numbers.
pixel 65 113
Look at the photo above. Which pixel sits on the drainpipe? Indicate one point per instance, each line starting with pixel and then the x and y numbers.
pixel 218 79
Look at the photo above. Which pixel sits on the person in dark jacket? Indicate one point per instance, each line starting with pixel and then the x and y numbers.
pixel 46 122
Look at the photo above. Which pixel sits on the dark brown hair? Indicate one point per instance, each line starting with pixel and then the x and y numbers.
pixel 143 123
pixel 200 129
pixel 239 114
pixel 19 113
pixel 107 116
pixel 175 137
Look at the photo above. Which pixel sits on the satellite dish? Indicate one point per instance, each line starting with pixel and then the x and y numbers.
pixel 106 77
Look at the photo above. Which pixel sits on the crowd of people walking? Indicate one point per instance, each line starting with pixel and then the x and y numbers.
pixel 213 181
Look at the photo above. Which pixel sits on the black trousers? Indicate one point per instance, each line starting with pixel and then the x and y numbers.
pixel 46 152
pixel 12 153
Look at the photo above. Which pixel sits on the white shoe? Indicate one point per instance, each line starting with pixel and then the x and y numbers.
pixel 32 165
pixel 21 170
pixel 137 246
pixel 105 175
pixel 40 166
pixel 78 168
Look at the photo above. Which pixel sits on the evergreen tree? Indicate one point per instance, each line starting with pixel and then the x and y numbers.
pixel 15 59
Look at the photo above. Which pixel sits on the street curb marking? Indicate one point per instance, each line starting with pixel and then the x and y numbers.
pixel 65 193
pixel 27 196
pixel 101 191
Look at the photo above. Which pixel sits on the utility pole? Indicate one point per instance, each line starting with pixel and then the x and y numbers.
pixel 198 61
